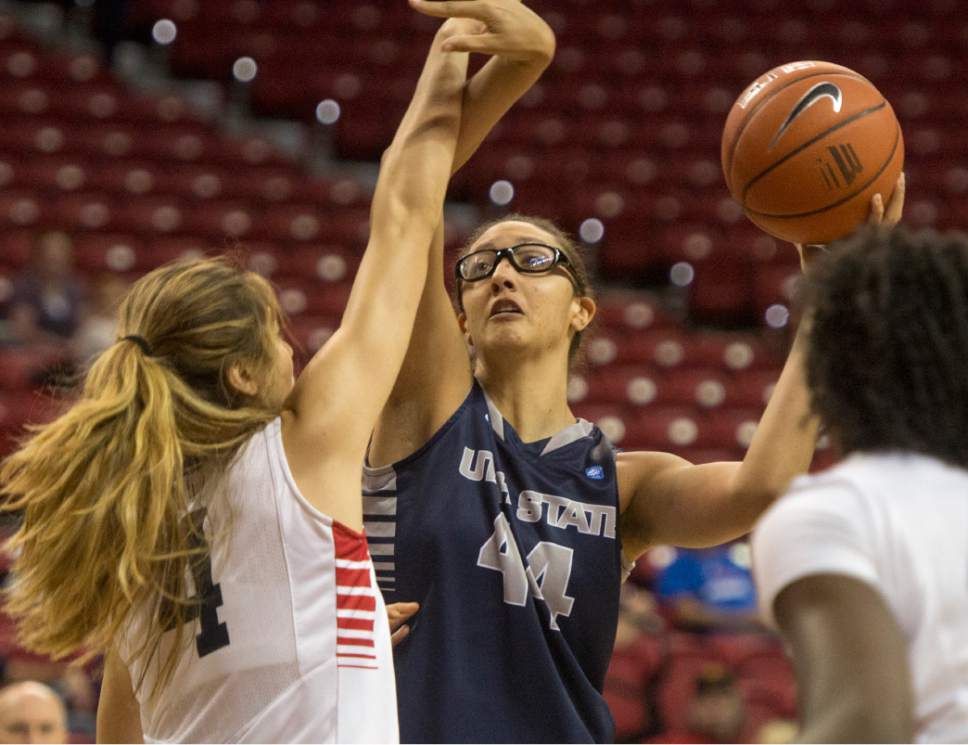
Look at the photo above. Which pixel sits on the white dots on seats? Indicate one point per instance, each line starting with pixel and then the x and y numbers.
pixel 682 274
pixel 304 227
pixel 331 267
pixel 669 353
pixel 346 191
pixel 236 223
pixel 710 393
pixel 577 388
pixel 641 171
pixel 34 101
pixel 612 427
pixel 591 230
pixel 501 192
pixel 738 355
pixel 601 350
pixel 653 99
pixel 534 97
pixel 6 173
pixel 95 215
pixel 263 263
pixel 823 442
pixel 256 150
pixel 139 181
pixel 609 204
pixel 570 59
pixel 170 108
pixel 704 173
pixel 519 167
pixel 277 188
pixel 119 257
pixel 697 245
pixel 292 300
pixel 682 431
pixel 164 31
pixel 24 212
pixel 768 392
pixel 166 218
pixel 328 111
pixel 777 316
pixel 319 336
pixel 765 248
pixel 956 179
pixel 718 100
pixel 614 133
pixel 70 177
pixel 188 147
pixel 745 432
pixel 347 85
pixel 638 315
pixel 641 390
pixel 729 211
pixel 691 63
pixel 6 289
pixel 49 139
pixel 206 185
pixel 83 68
pixel 21 64
pixel 551 131
pixel 244 69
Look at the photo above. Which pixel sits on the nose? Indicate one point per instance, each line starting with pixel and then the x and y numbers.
pixel 505 275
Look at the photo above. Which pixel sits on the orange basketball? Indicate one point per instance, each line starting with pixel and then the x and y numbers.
pixel 807 146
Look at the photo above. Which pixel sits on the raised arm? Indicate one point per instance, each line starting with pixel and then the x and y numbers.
pixel 436 373
pixel 665 499
pixel 339 395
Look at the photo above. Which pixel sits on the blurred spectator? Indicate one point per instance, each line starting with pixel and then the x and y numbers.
pixel 32 712
pixel 717 710
pixel 630 680
pixel 73 684
pixel 47 297
pixel 98 328
pixel 710 589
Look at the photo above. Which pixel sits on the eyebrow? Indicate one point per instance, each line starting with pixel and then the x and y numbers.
pixel 517 241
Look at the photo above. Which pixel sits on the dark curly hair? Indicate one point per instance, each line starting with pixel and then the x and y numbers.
pixel 887 360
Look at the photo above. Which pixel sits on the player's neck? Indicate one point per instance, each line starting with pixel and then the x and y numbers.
pixel 532 396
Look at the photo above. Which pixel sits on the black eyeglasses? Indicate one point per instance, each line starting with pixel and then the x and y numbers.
pixel 531 258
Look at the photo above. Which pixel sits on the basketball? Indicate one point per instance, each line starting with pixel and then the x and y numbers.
pixel 806 147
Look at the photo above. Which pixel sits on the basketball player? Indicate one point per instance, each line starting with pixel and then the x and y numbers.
pixel 197 516
pixel 864 568
pixel 506 519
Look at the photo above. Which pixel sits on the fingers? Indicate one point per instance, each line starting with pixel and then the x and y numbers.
pixel 452 8
pixel 895 207
pixel 877 210
pixel 399 635
pixel 478 43
pixel 397 613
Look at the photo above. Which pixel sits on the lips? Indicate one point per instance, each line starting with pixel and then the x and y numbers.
pixel 505 305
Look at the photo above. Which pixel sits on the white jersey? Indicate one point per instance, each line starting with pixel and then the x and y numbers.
pixel 293 644
pixel 898 522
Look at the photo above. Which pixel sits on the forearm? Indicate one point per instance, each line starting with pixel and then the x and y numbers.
pixel 490 94
pixel 783 444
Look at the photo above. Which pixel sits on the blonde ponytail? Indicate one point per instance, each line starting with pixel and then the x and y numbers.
pixel 102 488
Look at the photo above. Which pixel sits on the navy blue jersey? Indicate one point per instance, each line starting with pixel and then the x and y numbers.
pixel 512 550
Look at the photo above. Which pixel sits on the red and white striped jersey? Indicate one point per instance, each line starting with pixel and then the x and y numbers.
pixel 291 641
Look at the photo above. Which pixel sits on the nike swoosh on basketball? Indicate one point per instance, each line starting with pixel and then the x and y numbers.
pixel 818 92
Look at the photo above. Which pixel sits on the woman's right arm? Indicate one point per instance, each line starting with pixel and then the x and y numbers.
pixel 118 713
pixel 436 372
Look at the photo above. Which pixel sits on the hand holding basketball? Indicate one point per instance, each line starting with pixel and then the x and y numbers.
pixel 507 28
pixel 806 147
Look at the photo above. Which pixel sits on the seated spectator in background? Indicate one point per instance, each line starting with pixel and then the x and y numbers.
pixel 710 589
pixel 717 711
pixel 47 298
pixel 98 328
pixel 32 712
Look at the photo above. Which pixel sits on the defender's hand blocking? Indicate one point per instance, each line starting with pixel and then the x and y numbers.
pixel 507 29
pixel 888 216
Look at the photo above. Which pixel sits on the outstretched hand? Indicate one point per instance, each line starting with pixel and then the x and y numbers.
pixel 504 28
pixel 888 216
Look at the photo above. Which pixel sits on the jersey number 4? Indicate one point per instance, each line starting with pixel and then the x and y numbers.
pixel 208 599
pixel 545 575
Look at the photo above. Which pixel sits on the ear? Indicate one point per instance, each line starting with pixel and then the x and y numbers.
pixel 584 312
pixel 462 322
pixel 241 379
